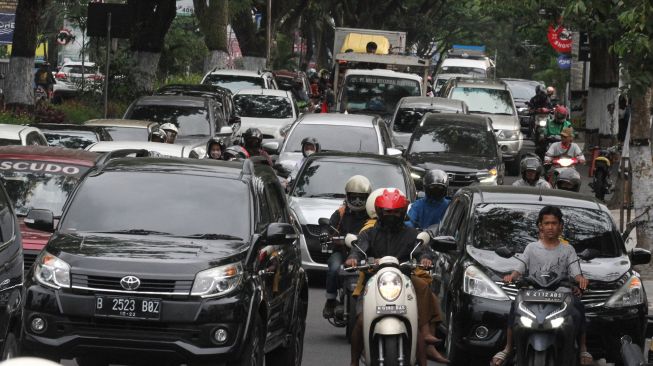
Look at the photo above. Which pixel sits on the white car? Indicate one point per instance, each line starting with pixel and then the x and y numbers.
pixel 236 80
pixel 21 135
pixel 171 150
pixel 72 72
pixel 268 110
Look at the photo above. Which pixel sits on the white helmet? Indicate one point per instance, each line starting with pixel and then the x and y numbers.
pixel 169 127
pixel 28 361
pixel 369 205
pixel 357 189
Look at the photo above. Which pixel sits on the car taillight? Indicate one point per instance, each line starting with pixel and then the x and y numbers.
pixel 60 76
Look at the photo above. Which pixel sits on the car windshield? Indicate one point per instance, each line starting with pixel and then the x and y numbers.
pixel 407 118
pixel 522 90
pixel 262 106
pixel 453 138
pixel 515 226
pixel 9 142
pixel 191 121
pixel 234 82
pixel 327 178
pixel 39 184
pixel 128 133
pixel 376 94
pixel 466 70
pixel 77 69
pixel 70 139
pixel 108 202
pixel 485 101
pixel 334 138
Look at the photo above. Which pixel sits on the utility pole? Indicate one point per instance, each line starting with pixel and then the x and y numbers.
pixel 269 36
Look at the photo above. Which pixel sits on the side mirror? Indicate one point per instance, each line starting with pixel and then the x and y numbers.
pixel 639 256
pixel 271 147
pixel 280 234
pixel 444 244
pixel 504 252
pixel 400 148
pixel 417 174
pixel 226 131
pixel 40 220
pixel 393 152
pixel 424 237
pixel 589 254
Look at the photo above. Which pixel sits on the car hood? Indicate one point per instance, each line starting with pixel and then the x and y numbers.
pixel 452 163
pixel 504 122
pixel 268 126
pixel 290 159
pixel 33 239
pixel 598 269
pixel 309 210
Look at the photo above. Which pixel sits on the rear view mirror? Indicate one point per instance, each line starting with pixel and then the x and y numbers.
pixel 444 244
pixel 40 220
pixel 393 152
pixel 639 256
pixel 271 147
pixel 279 233
pixel 504 252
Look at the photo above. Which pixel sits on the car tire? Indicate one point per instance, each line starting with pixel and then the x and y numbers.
pixel 291 355
pixel 252 352
pixel 10 348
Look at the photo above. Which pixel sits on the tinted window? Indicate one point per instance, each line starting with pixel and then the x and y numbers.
pixel 234 82
pixel 323 178
pixel 9 142
pixel 262 106
pixel 39 184
pixel 522 90
pixel 70 139
pixel 109 202
pixel 191 121
pixel 515 226
pixel 453 137
pixel 376 94
pixel 128 133
pixel 338 138
pixel 408 118
pixel 487 101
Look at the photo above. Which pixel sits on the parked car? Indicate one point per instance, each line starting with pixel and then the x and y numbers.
pixel 21 136
pixel 410 111
pixel 72 71
pixel 522 91
pixel 167 150
pixel 492 99
pixel 149 285
pixel 221 96
pixel 126 129
pixel 236 80
pixel 268 110
pixel 476 301
pixel 319 190
pixel 40 178
pixel 72 136
pixel 336 132
pixel 464 146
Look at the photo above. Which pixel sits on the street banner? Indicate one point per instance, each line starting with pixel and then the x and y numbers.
pixel 560 39
pixel 7 21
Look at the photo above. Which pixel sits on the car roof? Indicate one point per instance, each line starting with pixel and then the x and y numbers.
pixel 465 62
pixel 259 91
pixel 482 83
pixel 65 126
pixel 12 131
pixel 383 72
pixel 78 63
pixel 106 146
pixel 176 100
pixel 530 195
pixel 338 119
pixel 431 102
pixel 109 122
pixel 355 157
pixel 236 72
pixel 200 88
pixel 433 119
pixel 49 153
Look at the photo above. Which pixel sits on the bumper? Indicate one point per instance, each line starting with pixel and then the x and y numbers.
pixel 312 257
pixel 510 149
pixel 476 312
pixel 183 334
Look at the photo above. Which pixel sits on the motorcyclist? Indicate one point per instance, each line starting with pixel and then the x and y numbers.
pixel 215 149
pixel 568 180
pixel 171 132
pixel 540 99
pixel 43 78
pixel 429 210
pixel 565 148
pixel 349 218
pixel 531 173
pixel 554 126
pixel 158 136
pixel 235 152
pixel 252 140
pixel 550 255
pixel 551 94
pixel 390 237
pixel 310 146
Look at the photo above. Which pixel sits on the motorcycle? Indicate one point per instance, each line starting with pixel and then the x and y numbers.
pixel 539 118
pixel 556 166
pixel 601 183
pixel 544 330
pixel 344 314
pixel 390 308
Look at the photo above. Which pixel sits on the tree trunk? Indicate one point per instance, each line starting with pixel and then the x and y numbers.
pixel 213 18
pixel 18 85
pixel 253 63
pixel 152 19
pixel 603 92
pixel 251 41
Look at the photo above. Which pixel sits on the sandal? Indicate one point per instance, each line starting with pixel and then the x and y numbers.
pixel 499 358
pixel 584 357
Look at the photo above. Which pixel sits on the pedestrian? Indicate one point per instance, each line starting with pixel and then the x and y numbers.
pixel 624 117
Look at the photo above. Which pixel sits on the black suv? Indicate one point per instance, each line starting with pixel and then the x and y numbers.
pixel 476 301
pixel 169 261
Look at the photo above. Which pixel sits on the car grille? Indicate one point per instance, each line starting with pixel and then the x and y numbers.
pixel 315 230
pixel 159 286
pixel 461 179
pixel 29 259
pixel 591 298
pixel 318 256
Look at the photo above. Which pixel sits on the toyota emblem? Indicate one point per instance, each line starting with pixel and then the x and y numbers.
pixel 130 283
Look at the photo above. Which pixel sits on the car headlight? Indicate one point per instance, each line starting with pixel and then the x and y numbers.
pixel 489 176
pixel 389 285
pixel 630 294
pixel 508 134
pixel 476 283
pixel 217 281
pixel 51 271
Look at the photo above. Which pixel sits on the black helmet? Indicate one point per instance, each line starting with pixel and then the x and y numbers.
pixel 568 180
pixel 312 141
pixel 219 142
pixel 235 152
pixel 252 135
pixel 158 136
pixel 531 163
pixel 436 184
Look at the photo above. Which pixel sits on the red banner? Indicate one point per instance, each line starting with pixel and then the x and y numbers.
pixel 560 39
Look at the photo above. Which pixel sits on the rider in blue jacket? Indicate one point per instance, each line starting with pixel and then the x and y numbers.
pixel 429 210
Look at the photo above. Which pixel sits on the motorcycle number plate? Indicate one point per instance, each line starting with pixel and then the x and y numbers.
pixel 391 309
pixel 543 296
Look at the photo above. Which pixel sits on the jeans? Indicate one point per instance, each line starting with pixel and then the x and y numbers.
pixel 335 261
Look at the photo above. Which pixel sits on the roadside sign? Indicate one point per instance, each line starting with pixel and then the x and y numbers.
pixel 564 62
pixel 7 25
pixel 560 38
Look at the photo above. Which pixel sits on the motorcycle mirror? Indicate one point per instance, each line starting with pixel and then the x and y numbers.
pixel 588 254
pixel 504 252
pixel 424 237
pixel 350 240
pixel 323 221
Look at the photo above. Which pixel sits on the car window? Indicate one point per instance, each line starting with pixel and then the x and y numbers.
pixel 473 71
pixel 9 142
pixel 77 69
pixel 452 137
pixel 485 101
pixel 276 203
pixel 522 90
pixel 191 121
pixel 376 94
pixel 262 106
pixel 128 133
pixel 234 82
pixel 71 139
pixel 453 218
pixel 334 138
pixel 515 226
pixel 407 119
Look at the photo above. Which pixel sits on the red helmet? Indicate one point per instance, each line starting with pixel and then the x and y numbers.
pixel 560 112
pixel 391 199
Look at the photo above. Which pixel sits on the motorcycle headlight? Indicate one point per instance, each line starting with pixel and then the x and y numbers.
pixel 630 294
pixel 508 134
pixel 565 162
pixel 526 322
pixel 542 123
pixel 51 271
pixel 217 281
pixel 389 285
pixel 476 283
pixel 557 322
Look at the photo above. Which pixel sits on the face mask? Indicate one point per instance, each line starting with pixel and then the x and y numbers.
pixel 391 221
pixel 308 152
pixel 437 193
pixel 356 202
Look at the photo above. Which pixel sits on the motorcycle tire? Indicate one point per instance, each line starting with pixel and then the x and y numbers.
pixel 540 358
pixel 351 316
pixel 390 347
pixel 599 184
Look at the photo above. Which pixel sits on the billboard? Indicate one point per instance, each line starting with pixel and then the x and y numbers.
pixel 7 25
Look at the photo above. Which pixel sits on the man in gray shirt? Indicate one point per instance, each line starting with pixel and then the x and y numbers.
pixel 549 254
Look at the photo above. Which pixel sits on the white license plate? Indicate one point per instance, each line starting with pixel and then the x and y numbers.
pixel 391 309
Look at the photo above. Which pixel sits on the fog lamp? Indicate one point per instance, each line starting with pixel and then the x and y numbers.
pixel 220 335
pixel 481 332
pixel 38 325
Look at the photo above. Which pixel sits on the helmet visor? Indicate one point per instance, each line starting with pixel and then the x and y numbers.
pixel 435 191
pixel 357 199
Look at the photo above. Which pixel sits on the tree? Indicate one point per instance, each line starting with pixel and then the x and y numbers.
pixel 213 16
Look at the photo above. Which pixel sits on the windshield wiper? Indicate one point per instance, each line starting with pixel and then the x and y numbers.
pixel 327 195
pixel 135 232
pixel 479 112
pixel 210 236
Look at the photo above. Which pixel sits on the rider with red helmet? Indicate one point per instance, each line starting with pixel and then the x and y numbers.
pixel 559 122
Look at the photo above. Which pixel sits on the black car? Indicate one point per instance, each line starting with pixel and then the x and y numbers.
pixel 476 301
pixel 464 146
pixel 221 96
pixel 72 136
pixel 201 265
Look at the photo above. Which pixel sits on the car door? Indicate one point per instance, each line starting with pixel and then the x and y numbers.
pixel 451 226
pixel 11 260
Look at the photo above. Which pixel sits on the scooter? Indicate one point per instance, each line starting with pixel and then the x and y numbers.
pixel 540 117
pixel 601 183
pixel 631 354
pixel 557 165
pixel 390 308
